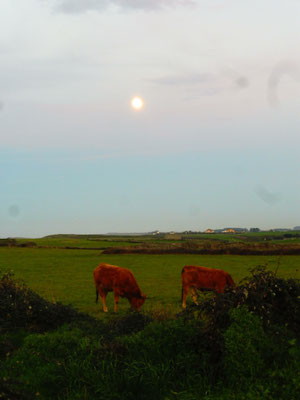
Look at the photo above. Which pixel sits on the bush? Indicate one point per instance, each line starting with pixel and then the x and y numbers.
pixel 275 300
pixel 8 242
pixel 163 357
pixel 273 306
pixel 54 363
pixel 20 307
pixel 131 323
pixel 245 346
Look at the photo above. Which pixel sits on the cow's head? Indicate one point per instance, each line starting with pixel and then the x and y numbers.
pixel 138 301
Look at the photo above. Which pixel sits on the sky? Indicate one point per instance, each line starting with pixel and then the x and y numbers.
pixel 217 143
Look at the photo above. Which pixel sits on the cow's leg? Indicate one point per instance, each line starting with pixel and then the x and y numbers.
pixel 184 296
pixel 220 285
pixel 103 298
pixel 194 296
pixel 117 296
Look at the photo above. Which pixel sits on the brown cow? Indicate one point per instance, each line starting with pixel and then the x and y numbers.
pixel 110 278
pixel 203 278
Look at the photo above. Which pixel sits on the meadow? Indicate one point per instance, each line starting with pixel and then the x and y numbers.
pixel 66 275
pixel 56 343
pixel 75 242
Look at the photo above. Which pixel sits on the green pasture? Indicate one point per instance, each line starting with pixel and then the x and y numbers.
pixel 66 275
pixel 104 241
pixel 271 237
pixel 77 242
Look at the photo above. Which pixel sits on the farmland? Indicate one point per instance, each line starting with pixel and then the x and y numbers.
pixel 59 273
pixel 56 343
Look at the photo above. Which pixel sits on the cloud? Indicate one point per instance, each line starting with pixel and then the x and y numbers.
pixel 205 84
pixel 80 6
pixel 187 79
pixel 267 196
pixel 284 68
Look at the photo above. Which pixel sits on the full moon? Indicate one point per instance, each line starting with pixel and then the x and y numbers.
pixel 137 103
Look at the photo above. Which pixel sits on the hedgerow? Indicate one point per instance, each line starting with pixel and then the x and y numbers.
pixel 275 300
pixel 22 308
pixel 243 344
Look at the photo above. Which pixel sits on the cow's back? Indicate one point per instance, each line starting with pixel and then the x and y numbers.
pixel 105 276
pixel 205 278
pixel 110 277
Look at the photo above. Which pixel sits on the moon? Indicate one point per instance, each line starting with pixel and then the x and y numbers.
pixel 137 103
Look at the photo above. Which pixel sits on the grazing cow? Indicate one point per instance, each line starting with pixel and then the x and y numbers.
pixel 110 278
pixel 203 278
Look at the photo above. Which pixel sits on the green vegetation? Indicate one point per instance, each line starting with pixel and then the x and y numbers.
pixel 66 275
pixel 74 242
pixel 269 236
pixel 105 241
pixel 56 343
pixel 243 344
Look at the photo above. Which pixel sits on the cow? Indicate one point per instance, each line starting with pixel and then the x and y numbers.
pixel 110 278
pixel 203 278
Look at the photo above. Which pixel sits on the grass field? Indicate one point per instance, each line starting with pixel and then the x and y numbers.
pixel 66 275
pixel 273 237
pixel 76 242
pixel 241 347
pixel 103 241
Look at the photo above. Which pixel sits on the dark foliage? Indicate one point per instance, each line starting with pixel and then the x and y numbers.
pixel 11 389
pixel 26 244
pixel 275 300
pixel 243 344
pixel 291 235
pixel 209 247
pixel 20 307
pixel 13 243
pixel 8 242
pixel 132 322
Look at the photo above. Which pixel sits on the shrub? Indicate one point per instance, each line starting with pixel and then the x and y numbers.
pixel 242 344
pixel 20 307
pixel 283 379
pixel 132 322
pixel 275 300
pixel 163 357
pixel 245 344
pixel 54 363
pixel 8 242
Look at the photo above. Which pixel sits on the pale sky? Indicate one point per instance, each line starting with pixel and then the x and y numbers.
pixel 216 144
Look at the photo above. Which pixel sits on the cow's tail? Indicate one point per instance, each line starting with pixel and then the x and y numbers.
pixel 97 294
pixel 230 281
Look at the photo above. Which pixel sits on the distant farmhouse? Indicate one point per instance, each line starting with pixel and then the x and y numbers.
pixel 226 230
pixel 155 233
pixel 234 230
